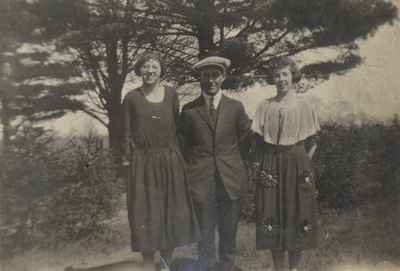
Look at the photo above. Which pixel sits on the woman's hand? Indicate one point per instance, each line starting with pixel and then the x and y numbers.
pixel 125 163
pixel 312 150
pixel 124 170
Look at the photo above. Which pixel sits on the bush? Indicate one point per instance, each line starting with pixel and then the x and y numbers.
pixel 55 190
pixel 339 160
pixel 384 159
pixel 87 193
pixel 353 163
pixel 356 162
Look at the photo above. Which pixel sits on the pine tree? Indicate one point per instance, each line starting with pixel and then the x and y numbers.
pixel 107 35
pixel 253 32
pixel 34 87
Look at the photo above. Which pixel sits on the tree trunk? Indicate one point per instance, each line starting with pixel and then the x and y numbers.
pixel 115 129
pixel 205 27
pixel 115 134
pixel 5 122
pixel 115 111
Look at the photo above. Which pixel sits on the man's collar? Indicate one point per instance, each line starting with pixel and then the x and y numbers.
pixel 217 97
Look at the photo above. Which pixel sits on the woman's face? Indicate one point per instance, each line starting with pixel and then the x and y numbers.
pixel 283 80
pixel 150 71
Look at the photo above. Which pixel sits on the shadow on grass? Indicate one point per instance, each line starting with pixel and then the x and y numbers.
pixel 115 266
pixel 179 264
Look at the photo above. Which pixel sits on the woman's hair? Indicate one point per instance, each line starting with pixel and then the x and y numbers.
pixel 283 62
pixel 146 57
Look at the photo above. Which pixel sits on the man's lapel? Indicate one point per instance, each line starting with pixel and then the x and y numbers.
pixel 203 112
pixel 221 110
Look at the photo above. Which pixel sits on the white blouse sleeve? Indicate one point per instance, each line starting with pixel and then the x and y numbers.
pixel 259 119
pixel 309 120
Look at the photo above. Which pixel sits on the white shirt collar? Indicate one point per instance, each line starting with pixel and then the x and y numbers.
pixel 217 98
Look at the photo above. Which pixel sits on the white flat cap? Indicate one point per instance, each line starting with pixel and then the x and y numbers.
pixel 218 61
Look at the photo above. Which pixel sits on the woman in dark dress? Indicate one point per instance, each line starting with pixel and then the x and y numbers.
pixel 160 211
pixel 286 198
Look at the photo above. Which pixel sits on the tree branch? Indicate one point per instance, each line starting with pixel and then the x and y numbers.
pixel 272 43
pixel 98 101
pixel 93 115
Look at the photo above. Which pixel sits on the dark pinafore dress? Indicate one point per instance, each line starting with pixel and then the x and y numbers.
pixel 286 196
pixel 160 210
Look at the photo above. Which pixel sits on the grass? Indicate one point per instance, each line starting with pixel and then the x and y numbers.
pixel 362 238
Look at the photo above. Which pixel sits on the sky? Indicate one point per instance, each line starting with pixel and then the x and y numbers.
pixel 371 89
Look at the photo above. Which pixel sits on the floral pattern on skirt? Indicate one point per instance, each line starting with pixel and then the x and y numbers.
pixel 286 199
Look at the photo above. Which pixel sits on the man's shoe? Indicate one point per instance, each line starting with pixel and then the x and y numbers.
pixel 199 267
pixel 222 267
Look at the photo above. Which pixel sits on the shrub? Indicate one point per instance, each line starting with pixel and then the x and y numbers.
pixel 55 190
pixel 87 193
pixel 384 158
pixel 339 159
pixel 353 163
pixel 28 168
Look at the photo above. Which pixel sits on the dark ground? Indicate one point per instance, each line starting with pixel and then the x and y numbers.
pixel 362 238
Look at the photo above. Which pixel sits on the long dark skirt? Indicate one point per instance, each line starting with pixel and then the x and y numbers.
pixel 160 212
pixel 286 199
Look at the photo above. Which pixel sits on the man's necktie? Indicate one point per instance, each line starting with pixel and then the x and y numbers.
pixel 212 111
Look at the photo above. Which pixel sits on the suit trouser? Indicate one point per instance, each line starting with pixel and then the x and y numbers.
pixel 220 212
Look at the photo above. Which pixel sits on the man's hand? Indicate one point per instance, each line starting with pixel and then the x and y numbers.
pixel 124 170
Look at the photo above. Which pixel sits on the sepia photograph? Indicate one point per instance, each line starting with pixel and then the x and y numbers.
pixel 199 135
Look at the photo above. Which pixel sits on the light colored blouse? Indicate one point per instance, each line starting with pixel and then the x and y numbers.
pixel 285 122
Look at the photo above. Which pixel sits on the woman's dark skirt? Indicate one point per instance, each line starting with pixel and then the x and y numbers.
pixel 286 199
pixel 160 211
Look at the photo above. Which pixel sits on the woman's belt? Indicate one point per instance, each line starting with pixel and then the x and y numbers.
pixel 154 150
pixel 283 148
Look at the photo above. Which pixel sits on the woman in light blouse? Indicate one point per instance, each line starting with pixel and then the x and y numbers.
pixel 286 197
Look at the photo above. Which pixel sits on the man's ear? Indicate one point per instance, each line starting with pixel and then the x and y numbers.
pixel 224 74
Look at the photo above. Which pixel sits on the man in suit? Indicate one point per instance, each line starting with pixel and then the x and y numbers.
pixel 214 128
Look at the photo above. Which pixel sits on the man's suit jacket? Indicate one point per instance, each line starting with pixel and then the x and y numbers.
pixel 209 149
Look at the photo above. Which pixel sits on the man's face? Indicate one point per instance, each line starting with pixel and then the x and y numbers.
pixel 211 79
